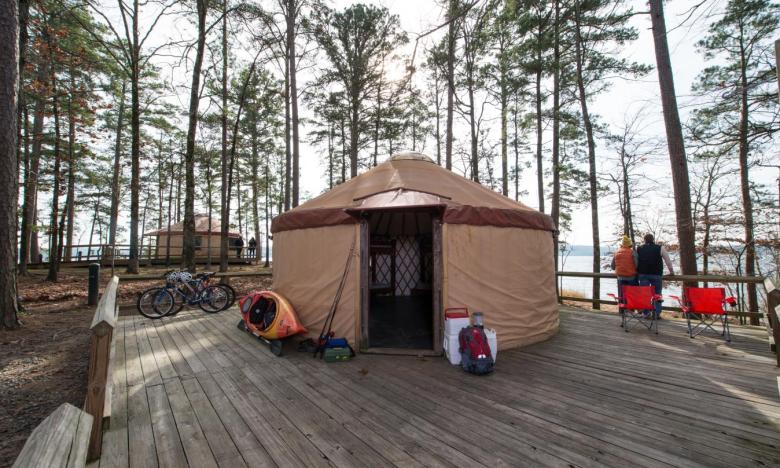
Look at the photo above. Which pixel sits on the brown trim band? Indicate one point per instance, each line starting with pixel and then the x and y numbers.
pixel 499 217
pixel 304 219
pixel 453 214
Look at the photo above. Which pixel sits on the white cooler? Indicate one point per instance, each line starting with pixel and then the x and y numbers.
pixel 454 321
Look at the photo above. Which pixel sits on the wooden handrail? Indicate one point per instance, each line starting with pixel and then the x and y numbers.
pixel 98 401
pixel 226 274
pixel 59 440
pixel 682 278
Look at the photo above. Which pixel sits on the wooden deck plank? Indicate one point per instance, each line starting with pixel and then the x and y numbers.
pixel 142 451
pixel 272 436
pixel 351 423
pixel 193 440
pixel 395 427
pixel 170 328
pixel 222 446
pixel 167 440
pixel 175 356
pixel 135 375
pixel 252 451
pixel 164 364
pixel 198 392
pixel 148 363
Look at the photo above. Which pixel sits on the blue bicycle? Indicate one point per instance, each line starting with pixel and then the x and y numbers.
pixel 180 289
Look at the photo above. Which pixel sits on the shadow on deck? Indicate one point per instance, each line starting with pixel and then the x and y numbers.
pixel 193 390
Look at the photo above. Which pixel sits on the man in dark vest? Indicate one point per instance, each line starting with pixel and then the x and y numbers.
pixel 650 260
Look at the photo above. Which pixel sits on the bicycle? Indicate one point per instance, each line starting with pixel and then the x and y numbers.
pixel 180 289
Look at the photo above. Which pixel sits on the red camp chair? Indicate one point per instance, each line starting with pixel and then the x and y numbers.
pixel 708 306
pixel 638 305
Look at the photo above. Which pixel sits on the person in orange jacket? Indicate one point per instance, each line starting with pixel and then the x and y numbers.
pixel 624 263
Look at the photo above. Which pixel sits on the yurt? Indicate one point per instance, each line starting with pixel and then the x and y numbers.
pixel 416 240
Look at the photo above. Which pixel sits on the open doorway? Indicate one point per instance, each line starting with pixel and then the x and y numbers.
pixel 401 279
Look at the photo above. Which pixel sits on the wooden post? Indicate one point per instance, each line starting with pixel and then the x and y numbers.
pixel 102 328
pixel 773 310
pixel 438 273
pixel 364 249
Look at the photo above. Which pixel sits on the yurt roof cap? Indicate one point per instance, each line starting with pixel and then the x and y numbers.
pixel 412 180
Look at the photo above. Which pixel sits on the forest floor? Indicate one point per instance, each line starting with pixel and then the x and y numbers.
pixel 44 363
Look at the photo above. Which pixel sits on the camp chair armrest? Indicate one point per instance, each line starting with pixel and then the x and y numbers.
pixel 731 300
pixel 658 297
pixel 617 299
pixel 683 306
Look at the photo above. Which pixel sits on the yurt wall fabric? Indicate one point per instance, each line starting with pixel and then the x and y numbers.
pixel 307 269
pixel 507 273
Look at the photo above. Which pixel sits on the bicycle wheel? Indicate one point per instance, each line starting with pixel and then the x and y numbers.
pixel 178 300
pixel 213 299
pixel 230 292
pixel 155 303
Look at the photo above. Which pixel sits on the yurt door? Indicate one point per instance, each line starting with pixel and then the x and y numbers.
pixel 400 281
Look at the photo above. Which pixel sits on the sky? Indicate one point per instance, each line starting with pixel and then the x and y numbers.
pixel 625 97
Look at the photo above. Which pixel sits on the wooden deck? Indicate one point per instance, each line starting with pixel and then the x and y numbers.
pixel 194 390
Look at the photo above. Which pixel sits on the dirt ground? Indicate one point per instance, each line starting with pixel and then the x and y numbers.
pixel 44 363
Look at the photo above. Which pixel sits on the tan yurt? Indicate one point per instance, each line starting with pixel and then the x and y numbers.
pixel 207 235
pixel 420 240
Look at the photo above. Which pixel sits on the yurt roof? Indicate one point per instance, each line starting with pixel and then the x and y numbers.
pixel 412 180
pixel 201 227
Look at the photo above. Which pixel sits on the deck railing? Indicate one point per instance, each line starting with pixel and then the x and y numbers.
pixel 70 436
pixel 101 352
pixel 147 252
pixel 771 306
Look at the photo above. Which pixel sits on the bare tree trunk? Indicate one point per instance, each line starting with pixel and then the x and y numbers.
pixel 674 138
pixel 539 160
pixel 473 132
pixel 224 198
pixel 292 14
pixel 117 169
pixel 287 148
pixel 160 182
pixel 255 189
pixel 744 177
pixel 450 82
pixel 378 118
pixel 54 249
pixel 209 201
pixel 343 152
pixel 9 89
pixel 31 180
pixel 516 144
pixel 170 214
pixel 556 197
pixel 437 104
pixel 503 102
pixel 354 134
pixel 24 15
pixel 188 249
pixel 70 198
pixel 331 151
pixel 267 214
pixel 594 200
pixel 135 147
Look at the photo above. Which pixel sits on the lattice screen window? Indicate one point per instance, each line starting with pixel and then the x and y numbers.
pixel 382 270
pixel 407 265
